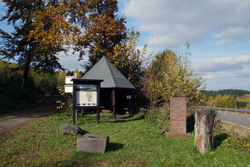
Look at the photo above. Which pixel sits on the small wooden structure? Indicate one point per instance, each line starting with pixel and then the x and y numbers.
pixel 117 93
pixel 86 95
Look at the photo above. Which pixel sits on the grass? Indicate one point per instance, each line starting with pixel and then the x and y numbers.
pixel 133 142
pixel 235 130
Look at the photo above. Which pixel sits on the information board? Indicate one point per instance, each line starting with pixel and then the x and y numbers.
pixel 86 95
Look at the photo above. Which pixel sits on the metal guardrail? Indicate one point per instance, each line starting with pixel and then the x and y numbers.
pixel 226 109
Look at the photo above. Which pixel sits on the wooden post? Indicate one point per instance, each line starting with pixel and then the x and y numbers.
pixel 130 99
pixel 74 116
pixel 74 108
pixel 113 102
pixel 98 116
pixel 98 103
pixel 204 130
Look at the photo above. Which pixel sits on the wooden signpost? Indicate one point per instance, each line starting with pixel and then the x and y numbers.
pixel 86 95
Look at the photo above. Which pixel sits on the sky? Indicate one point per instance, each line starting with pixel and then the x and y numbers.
pixel 217 30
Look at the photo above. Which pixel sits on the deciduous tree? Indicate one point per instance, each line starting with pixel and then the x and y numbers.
pixel 77 72
pixel 104 29
pixel 169 76
pixel 129 59
pixel 41 30
pixel 225 101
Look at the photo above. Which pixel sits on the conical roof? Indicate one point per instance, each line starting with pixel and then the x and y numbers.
pixel 111 76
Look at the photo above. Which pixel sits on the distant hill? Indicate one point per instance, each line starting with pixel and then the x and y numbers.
pixel 233 92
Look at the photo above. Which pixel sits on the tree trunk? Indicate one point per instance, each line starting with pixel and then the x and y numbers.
pixel 26 72
pixel 204 130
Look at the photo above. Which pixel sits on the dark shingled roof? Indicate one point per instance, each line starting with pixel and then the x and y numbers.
pixel 112 78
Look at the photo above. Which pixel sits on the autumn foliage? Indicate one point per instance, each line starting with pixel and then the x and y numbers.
pixel 168 76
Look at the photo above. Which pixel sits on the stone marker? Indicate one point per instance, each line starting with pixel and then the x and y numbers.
pixel 70 129
pixel 178 115
pixel 204 130
pixel 93 143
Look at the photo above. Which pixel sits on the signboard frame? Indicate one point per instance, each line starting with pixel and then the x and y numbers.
pixel 90 83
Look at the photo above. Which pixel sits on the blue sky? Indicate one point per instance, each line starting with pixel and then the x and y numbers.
pixel 218 31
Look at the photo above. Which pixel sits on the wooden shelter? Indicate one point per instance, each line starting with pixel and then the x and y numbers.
pixel 117 93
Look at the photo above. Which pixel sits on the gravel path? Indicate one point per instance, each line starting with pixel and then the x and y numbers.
pixel 8 125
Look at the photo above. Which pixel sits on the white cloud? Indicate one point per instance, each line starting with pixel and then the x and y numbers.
pixel 170 23
pixel 225 64
pixel 232 35
pixel 226 75
pixel 232 83
pixel 226 72
pixel 71 62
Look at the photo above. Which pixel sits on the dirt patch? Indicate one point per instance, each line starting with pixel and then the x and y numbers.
pixel 10 121
pixel 24 112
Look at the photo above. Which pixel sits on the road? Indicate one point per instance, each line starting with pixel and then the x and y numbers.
pixel 234 118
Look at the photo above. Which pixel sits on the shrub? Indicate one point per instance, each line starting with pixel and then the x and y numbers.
pixel 159 116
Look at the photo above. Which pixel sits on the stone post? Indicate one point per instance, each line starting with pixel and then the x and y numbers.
pixel 178 122
pixel 204 130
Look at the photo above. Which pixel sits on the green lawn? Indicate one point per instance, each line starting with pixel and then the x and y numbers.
pixel 133 142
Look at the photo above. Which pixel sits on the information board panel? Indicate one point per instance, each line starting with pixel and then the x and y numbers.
pixel 86 95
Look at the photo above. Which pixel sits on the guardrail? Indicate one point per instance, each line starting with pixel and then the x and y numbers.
pixel 225 109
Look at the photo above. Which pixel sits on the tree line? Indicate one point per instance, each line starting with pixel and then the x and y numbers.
pixel 39 84
pixel 233 92
pixel 229 98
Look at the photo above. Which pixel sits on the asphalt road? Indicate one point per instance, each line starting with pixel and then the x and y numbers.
pixel 234 118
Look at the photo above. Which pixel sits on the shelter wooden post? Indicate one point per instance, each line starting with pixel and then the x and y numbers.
pixel 113 102
pixel 130 99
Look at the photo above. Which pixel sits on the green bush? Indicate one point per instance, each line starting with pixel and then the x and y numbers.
pixel 159 116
